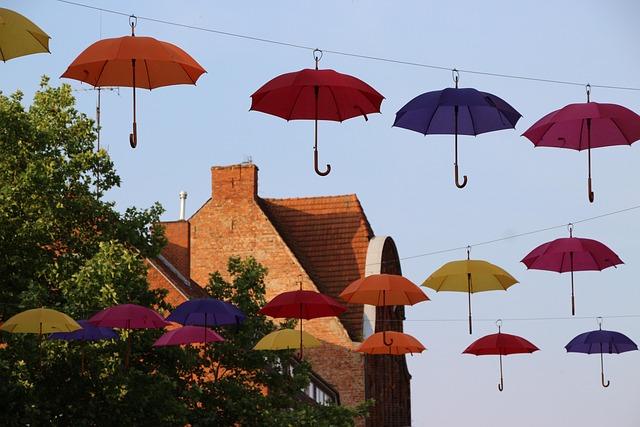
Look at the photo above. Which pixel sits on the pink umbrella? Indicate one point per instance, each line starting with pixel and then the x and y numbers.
pixel 188 335
pixel 571 254
pixel 128 316
pixel 585 126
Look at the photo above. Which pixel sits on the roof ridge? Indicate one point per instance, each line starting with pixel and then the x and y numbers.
pixel 335 196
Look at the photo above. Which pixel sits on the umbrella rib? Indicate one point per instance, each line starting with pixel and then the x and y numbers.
pixel 426 131
pixel 621 132
pixel 335 101
pixel 146 67
pixel 104 65
pixel 473 123
pixel 40 43
pixel 293 105
pixel 580 138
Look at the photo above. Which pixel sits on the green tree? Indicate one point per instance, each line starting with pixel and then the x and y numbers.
pixel 62 246
pixel 236 378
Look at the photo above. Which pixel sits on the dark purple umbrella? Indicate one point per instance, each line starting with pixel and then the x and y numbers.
pixel 456 111
pixel 88 332
pixel 206 312
pixel 601 341
pixel 571 254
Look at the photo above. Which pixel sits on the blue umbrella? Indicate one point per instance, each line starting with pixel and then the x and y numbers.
pixel 601 341
pixel 456 111
pixel 89 332
pixel 206 312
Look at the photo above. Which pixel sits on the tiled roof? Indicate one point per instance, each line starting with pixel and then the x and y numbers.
pixel 330 236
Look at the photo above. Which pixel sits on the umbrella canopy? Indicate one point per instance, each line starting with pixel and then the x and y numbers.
pixel 19 36
pixel 584 126
pixel 456 111
pixel 402 344
pixel 188 335
pixel 89 332
pixel 469 276
pixel 40 321
pixel 601 341
pixel 571 254
pixel 128 316
pixel 502 345
pixel 316 95
pixel 383 290
pixel 285 339
pixel 302 305
pixel 206 312
pixel 136 62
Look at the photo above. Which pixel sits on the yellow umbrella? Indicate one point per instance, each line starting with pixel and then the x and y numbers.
pixel 286 339
pixel 40 321
pixel 19 36
pixel 469 276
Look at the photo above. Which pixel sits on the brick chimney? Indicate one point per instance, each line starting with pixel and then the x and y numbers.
pixel 234 182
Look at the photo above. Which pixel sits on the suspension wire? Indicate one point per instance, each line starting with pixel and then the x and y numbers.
pixel 512 236
pixel 349 54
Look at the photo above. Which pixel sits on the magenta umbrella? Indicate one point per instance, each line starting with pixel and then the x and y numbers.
pixel 585 126
pixel 571 254
pixel 128 316
pixel 188 335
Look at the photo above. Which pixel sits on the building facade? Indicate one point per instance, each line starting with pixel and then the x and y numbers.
pixel 326 242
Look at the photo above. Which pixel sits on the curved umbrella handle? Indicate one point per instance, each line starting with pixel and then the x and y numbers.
pixel 603 383
pixel 501 385
pixel 464 178
pixel 384 339
pixel 315 165
pixel 591 194
pixel 133 137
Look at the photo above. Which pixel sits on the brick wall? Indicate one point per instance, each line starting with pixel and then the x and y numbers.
pixel 178 234
pixel 232 223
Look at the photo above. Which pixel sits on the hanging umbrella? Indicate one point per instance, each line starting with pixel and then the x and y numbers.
pixel 585 126
pixel 601 341
pixel 286 339
pixel 302 305
pixel 88 332
pixel 39 321
pixel 571 254
pixel 383 290
pixel 502 345
pixel 456 111
pixel 469 276
pixel 401 344
pixel 316 95
pixel 128 316
pixel 206 312
pixel 19 36
pixel 188 335
pixel 136 62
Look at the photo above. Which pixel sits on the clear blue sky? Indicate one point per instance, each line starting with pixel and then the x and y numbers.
pixel 403 179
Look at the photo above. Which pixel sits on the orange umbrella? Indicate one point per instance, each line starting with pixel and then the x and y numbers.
pixel 401 344
pixel 383 290
pixel 132 61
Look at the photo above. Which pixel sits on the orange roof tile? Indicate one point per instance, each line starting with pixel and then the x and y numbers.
pixel 330 236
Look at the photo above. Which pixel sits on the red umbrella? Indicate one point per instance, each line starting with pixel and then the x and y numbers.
pixel 132 61
pixel 316 95
pixel 585 126
pixel 302 305
pixel 502 345
pixel 571 254
pixel 128 316
pixel 188 335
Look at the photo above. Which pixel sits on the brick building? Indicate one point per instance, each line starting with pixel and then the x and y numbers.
pixel 326 241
